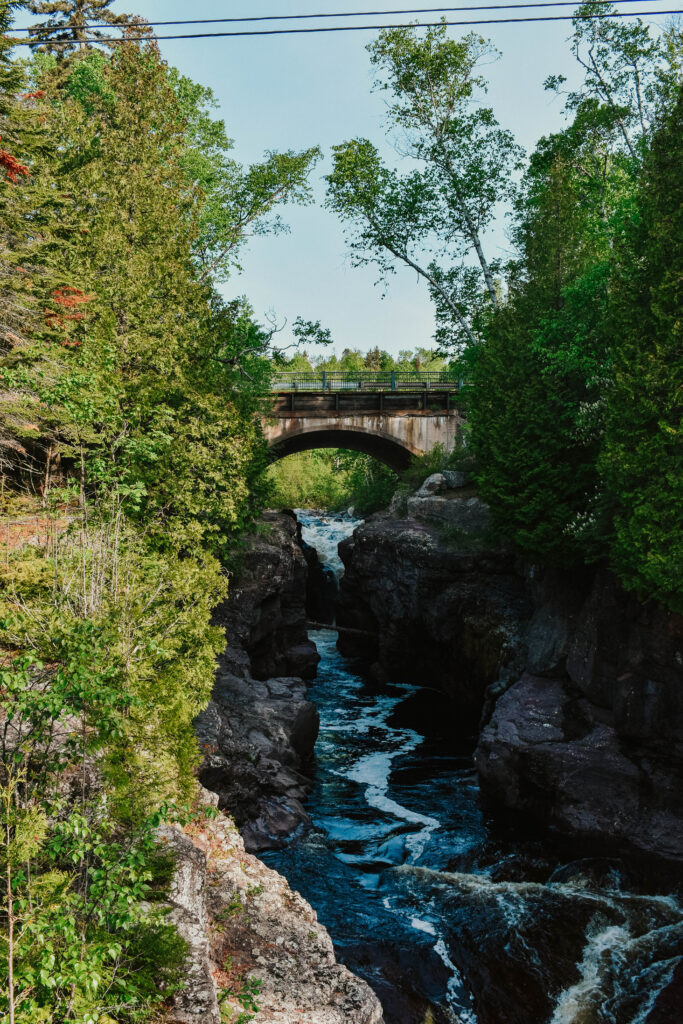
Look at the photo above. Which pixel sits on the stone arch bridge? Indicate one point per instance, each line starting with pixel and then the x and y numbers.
pixel 392 415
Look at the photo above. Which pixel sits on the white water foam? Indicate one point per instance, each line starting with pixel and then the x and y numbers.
pixel 459 1014
pixel 324 531
pixel 374 771
pixel 422 926
pixel 602 947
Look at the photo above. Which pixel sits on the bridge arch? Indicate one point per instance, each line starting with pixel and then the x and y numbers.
pixel 393 452
pixel 391 419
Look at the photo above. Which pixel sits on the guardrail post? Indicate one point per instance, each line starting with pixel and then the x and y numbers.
pixel 324 380
pixel 393 380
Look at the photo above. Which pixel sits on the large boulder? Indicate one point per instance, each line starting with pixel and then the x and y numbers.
pixel 434 484
pixel 469 515
pixel 594 745
pixel 249 933
pixel 547 752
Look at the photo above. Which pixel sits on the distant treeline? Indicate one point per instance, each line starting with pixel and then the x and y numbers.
pixel 353 359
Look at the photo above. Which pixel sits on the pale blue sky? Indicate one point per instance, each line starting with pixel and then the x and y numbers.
pixel 287 92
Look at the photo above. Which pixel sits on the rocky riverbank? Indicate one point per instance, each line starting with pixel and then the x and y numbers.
pixel 576 684
pixel 258 732
pixel 254 945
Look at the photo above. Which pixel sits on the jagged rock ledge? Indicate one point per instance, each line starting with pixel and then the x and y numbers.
pixel 243 924
pixel 258 732
pixel 577 685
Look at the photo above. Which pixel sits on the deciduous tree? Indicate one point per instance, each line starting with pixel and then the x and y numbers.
pixel 431 219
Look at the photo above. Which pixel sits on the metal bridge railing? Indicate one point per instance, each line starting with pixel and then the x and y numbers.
pixel 365 380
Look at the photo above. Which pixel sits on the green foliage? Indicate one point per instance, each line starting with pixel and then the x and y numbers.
pixel 352 360
pixel 126 633
pixel 370 483
pixel 331 478
pixel 432 218
pixel 626 69
pixel 245 990
pixel 232 201
pixel 574 413
pixel 69 21
pixel 531 468
pixel 643 451
pixel 80 939
pixel 88 81
pixel 422 466
pixel 130 398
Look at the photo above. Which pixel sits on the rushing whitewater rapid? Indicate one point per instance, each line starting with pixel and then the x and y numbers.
pixel 324 532
pixel 452 915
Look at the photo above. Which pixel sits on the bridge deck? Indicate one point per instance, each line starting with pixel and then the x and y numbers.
pixel 366 380
pixel 288 403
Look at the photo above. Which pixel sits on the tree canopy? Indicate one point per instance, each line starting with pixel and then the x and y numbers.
pixel 130 437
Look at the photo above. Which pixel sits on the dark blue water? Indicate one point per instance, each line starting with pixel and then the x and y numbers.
pixel 452 915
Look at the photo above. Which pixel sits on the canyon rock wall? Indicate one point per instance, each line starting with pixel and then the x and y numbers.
pixel 250 936
pixel 445 615
pixel 590 738
pixel 576 686
pixel 258 732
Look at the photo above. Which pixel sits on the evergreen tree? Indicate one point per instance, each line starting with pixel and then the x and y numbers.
pixel 537 405
pixel 642 461
pixel 537 410
pixel 533 470
pixel 31 241
pixel 68 25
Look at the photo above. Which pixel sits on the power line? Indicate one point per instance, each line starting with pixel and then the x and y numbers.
pixel 355 14
pixel 350 28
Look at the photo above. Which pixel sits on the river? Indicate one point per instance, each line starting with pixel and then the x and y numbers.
pixel 453 914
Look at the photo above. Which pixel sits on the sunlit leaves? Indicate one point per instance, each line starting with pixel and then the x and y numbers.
pixel 431 219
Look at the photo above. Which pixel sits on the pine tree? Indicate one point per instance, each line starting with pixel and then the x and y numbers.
pixel 30 205
pixel 642 461
pixel 68 24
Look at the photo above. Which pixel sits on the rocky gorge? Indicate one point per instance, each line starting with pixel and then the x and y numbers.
pixel 571 687
pixel 254 944
pixel 568 692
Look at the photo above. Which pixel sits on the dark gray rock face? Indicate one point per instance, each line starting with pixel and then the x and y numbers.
pixel 265 614
pixel 322 588
pixel 597 751
pixel 546 752
pixel 444 615
pixel 257 737
pixel 581 685
pixel 258 732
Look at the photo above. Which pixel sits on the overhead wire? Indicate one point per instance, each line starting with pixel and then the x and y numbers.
pixel 357 14
pixel 349 28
